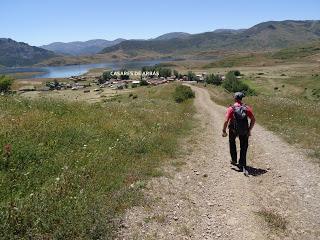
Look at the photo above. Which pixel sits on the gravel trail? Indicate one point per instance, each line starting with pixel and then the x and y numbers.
pixel 207 198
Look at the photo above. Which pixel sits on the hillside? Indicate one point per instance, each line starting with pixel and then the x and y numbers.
pixel 173 35
pixel 302 53
pixel 81 48
pixel 264 36
pixel 14 53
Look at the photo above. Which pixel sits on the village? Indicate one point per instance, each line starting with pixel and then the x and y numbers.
pixel 97 82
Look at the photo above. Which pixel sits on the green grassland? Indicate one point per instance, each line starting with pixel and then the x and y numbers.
pixel 75 167
pixel 293 54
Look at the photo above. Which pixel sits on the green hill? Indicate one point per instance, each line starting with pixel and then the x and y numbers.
pixel 304 52
pixel 14 53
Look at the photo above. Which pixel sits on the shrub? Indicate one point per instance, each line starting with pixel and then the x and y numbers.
pixel 213 79
pixel 232 84
pixel 5 83
pixel 124 77
pixel 106 76
pixel 144 83
pixel 176 73
pixel 192 76
pixel 165 72
pixel 183 93
pixel 236 73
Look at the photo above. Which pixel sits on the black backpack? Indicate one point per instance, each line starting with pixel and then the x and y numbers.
pixel 240 120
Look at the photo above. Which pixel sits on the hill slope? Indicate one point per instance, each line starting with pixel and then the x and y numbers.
pixel 14 53
pixel 263 36
pixel 302 53
pixel 173 35
pixel 81 48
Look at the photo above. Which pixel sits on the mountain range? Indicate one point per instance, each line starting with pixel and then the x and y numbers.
pixel 264 36
pixel 79 48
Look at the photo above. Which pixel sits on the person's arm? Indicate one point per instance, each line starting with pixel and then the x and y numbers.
pixel 224 129
pixel 226 121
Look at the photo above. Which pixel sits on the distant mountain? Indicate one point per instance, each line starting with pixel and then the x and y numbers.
pixel 264 36
pixel 14 53
pixel 222 30
pixel 81 48
pixel 172 35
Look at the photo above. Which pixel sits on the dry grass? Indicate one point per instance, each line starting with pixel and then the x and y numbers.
pixel 274 220
pixel 75 167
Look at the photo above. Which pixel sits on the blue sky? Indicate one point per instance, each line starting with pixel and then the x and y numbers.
pixel 40 22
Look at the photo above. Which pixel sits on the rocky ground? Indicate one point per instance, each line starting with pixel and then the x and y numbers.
pixel 207 198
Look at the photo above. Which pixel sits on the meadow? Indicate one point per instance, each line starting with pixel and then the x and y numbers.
pixel 69 170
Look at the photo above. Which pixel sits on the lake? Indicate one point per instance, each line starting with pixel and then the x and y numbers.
pixel 76 70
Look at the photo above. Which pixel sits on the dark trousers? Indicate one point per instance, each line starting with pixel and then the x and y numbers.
pixel 243 147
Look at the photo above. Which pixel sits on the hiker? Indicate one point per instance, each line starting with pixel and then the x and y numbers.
pixel 237 122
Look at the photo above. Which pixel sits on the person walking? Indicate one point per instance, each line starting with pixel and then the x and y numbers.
pixel 237 121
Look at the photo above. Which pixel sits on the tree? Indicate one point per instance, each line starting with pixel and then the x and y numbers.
pixel 192 76
pixel 124 77
pixel 124 74
pixel 213 79
pixel 176 73
pixel 149 69
pixel 165 72
pixel 232 84
pixel 5 83
pixel 106 76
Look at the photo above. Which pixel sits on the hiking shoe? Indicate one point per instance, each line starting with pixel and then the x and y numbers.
pixel 245 171
pixel 234 163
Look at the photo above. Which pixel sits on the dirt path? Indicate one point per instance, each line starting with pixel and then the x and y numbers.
pixel 207 198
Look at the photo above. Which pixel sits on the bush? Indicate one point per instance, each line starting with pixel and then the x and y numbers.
pixel 165 72
pixel 183 93
pixel 176 73
pixel 232 84
pixel 5 83
pixel 144 83
pixel 124 77
pixel 236 73
pixel 213 79
pixel 106 76
pixel 192 76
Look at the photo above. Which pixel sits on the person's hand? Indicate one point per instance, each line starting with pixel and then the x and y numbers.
pixel 224 134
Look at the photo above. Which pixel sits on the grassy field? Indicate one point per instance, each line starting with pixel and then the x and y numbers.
pixel 288 106
pixel 305 53
pixel 75 167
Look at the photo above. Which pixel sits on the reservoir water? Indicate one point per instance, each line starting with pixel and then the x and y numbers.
pixel 76 70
